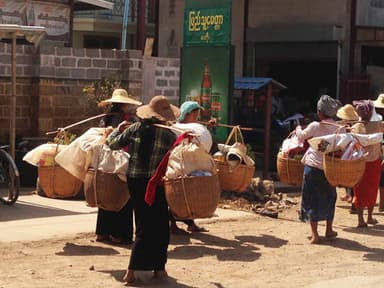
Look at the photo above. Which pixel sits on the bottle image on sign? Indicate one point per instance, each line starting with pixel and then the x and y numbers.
pixel 216 106
pixel 206 92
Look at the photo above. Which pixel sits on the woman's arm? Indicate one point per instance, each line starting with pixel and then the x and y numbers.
pixel 309 132
pixel 118 140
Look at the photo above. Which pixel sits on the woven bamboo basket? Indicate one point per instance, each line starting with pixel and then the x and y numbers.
pixel 193 197
pixel 56 182
pixel 343 173
pixel 110 192
pixel 290 170
pixel 235 179
pixel 89 190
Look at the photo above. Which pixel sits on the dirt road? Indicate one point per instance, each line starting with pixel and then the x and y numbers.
pixel 249 252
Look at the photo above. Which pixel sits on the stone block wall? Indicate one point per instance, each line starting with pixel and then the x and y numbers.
pixel 161 76
pixel 50 81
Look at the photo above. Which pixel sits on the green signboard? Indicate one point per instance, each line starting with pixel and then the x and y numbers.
pixel 207 59
pixel 207 26
pixel 206 74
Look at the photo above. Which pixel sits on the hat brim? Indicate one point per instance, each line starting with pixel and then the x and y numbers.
pixel 146 112
pixel 343 116
pixel 120 101
pixel 378 104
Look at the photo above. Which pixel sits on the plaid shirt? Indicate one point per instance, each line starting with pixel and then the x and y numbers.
pixel 130 137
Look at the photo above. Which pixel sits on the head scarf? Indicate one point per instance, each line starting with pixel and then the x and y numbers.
pixel 328 106
pixel 364 109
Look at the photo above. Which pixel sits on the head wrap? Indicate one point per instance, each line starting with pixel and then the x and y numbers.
pixel 364 109
pixel 188 107
pixel 328 106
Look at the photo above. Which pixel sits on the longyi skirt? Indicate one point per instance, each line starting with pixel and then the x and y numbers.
pixel 318 196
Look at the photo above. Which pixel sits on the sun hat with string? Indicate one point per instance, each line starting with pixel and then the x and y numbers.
pixel 159 108
pixel 347 113
pixel 120 96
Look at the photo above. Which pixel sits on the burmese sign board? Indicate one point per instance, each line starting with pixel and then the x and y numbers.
pixel 205 27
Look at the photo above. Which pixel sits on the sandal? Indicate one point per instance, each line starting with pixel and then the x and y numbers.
pixel 121 241
pixel 362 225
pixel 177 231
pixel 195 228
pixel 373 221
pixel 102 238
pixel 331 235
pixel 129 278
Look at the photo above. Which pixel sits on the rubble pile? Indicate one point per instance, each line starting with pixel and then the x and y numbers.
pixel 260 197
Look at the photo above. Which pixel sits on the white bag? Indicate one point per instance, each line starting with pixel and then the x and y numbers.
pixel 188 158
pixel 110 161
pixel 44 155
pixel 204 138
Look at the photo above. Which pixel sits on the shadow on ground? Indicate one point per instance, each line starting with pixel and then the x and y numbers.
pixel 145 279
pixel 25 210
pixel 372 254
pixel 241 249
pixel 71 249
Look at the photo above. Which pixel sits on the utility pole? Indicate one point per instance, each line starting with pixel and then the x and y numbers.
pixel 125 25
pixel 141 16
pixel 352 38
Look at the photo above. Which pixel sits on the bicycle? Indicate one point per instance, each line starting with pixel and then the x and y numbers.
pixel 9 178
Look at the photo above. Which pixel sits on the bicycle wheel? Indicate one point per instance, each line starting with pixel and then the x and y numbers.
pixel 9 179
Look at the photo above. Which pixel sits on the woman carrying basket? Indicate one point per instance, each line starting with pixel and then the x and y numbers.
pixel 117 227
pixel 148 144
pixel 189 113
pixel 318 196
pixel 365 192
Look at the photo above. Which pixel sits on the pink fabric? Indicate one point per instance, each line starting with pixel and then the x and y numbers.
pixel 157 178
pixel 312 157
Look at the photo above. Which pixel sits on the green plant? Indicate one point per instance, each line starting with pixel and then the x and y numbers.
pixel 100 90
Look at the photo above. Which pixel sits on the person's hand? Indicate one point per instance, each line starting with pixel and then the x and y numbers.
pixel 212 123
pixel 108 131
pixel 123 125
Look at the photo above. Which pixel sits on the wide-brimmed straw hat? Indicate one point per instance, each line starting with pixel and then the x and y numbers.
pixel 159 108
pixel 240 151
pixel 379 102
pixel 120 96
pixel 347 113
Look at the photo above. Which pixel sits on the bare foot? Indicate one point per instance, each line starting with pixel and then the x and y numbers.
pixel 161 274
pixel 362 225
pixel 195 228
pixel 129 277
pixel 372 221
pixel 178 231
pixel 102 238
pixel 331 234
pixel 314 240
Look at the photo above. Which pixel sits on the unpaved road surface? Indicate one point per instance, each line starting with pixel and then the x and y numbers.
pixel 251 251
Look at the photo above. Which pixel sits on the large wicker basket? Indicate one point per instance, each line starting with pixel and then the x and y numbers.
pixel 290 170
pixel 193 197
pixel 56 182
pixel 105 190
pixel 235 179
pixel 343 173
